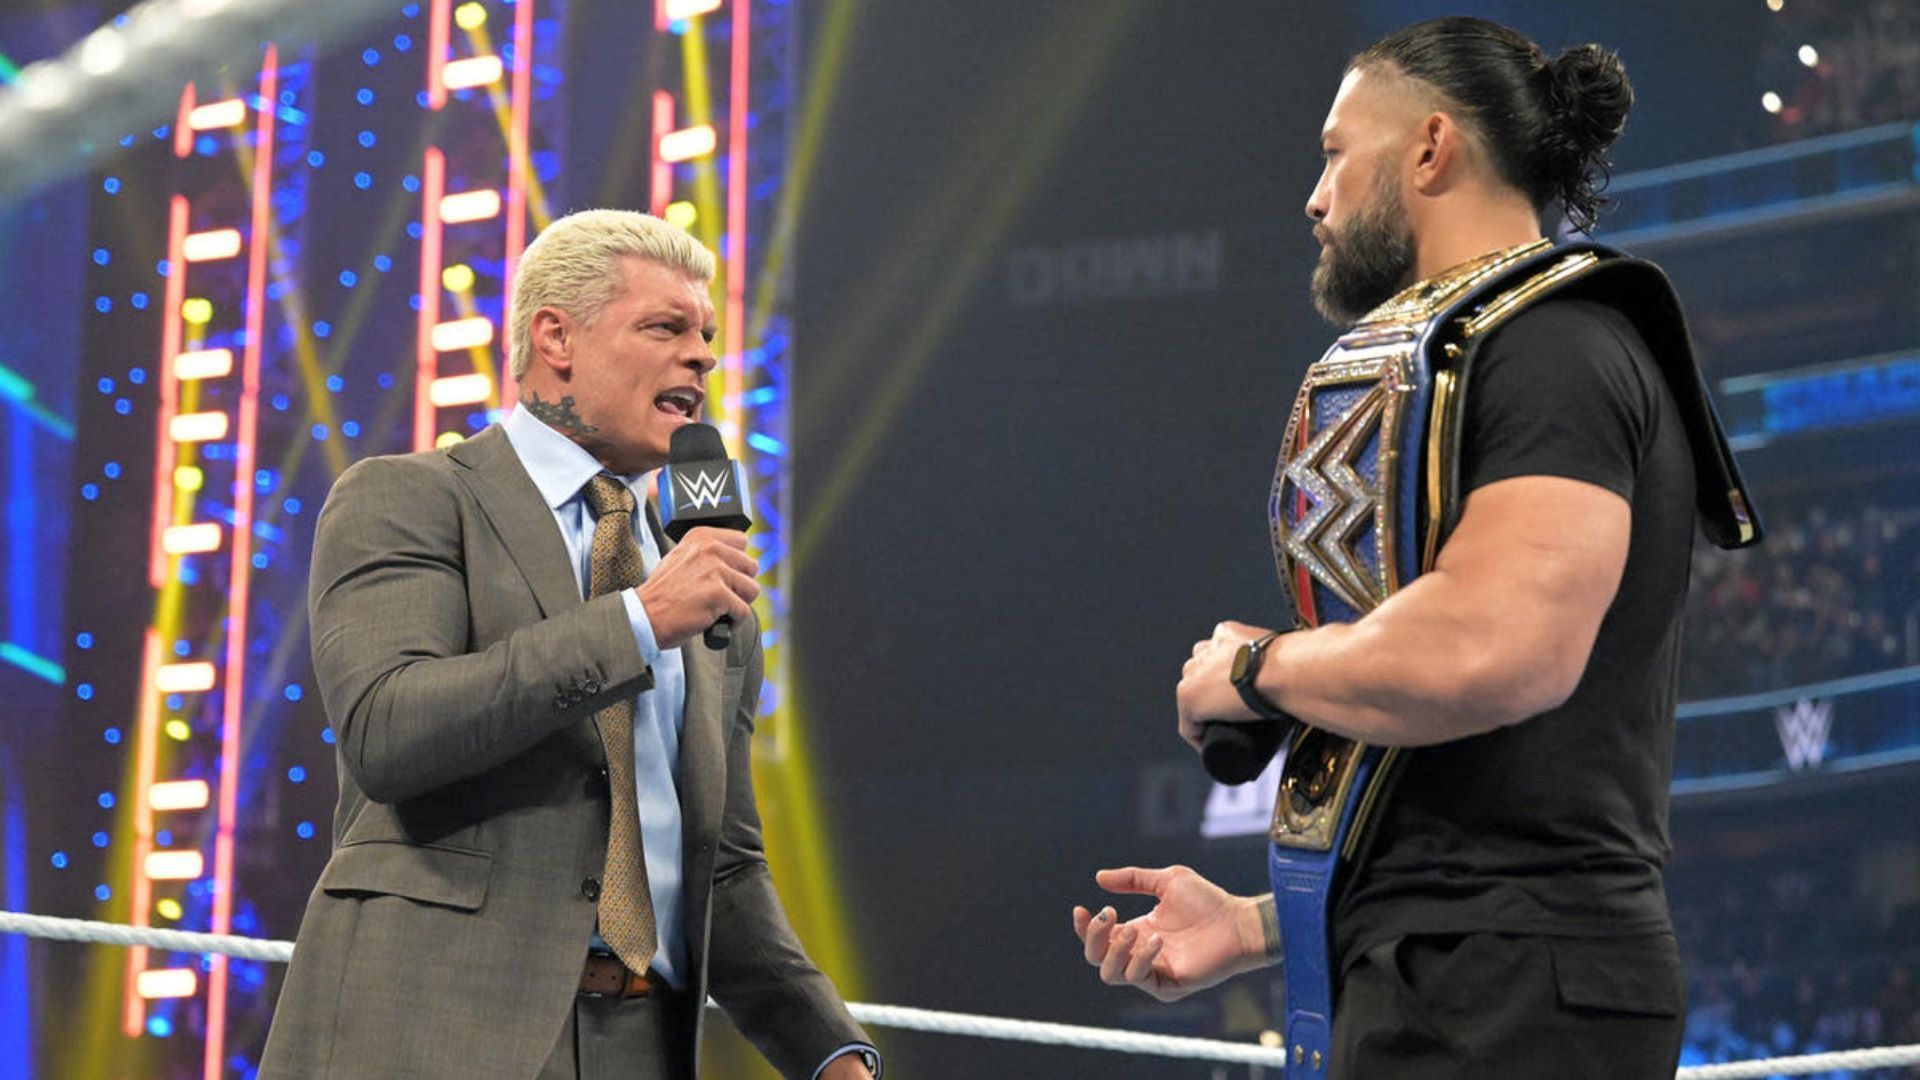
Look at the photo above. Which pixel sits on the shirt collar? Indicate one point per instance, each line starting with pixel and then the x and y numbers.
pixel 557 464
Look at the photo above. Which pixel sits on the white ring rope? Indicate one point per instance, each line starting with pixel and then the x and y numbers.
pixel 948 1023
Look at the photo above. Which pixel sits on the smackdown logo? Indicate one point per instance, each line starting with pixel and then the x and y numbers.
pixel 703 490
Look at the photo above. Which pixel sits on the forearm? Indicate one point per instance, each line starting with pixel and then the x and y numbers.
pixel 1423 668
pixel 762 977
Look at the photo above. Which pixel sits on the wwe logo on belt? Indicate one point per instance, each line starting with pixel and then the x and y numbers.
pixel 704 490
pixel 1804 731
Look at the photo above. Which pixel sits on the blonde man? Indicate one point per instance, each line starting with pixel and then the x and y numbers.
pixel 546 851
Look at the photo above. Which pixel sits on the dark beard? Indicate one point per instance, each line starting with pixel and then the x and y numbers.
pixel 1364 264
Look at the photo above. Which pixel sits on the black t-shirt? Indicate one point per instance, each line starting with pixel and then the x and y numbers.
pixel 1558 824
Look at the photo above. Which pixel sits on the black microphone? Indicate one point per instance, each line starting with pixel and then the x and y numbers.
pixel 701 485
pixel 1236 753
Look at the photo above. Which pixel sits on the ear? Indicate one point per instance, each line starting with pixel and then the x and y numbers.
pixel 550 334
pixel 1439 153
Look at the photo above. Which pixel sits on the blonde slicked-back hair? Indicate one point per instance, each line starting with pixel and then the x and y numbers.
pixel 574 265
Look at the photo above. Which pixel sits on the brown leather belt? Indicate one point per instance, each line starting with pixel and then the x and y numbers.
pixel 605 976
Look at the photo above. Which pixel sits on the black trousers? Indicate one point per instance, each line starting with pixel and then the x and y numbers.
pixel 1459 1006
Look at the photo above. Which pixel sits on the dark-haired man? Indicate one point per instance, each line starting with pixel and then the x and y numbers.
pixel 1483 513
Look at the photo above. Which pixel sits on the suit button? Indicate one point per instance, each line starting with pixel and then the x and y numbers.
pixel 591 686
pixel 590 889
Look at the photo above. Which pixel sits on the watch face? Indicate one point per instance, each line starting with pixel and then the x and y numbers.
pixel 1242 665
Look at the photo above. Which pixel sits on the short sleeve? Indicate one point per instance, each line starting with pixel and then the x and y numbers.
pixel 1559 391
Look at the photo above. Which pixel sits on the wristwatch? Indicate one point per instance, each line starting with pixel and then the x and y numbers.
pixel 1246 669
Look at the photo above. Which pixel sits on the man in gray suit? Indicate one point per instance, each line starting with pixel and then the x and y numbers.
pixel 546 851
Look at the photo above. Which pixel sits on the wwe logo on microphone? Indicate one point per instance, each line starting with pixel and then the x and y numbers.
pixel 1804 731
pixel 703 490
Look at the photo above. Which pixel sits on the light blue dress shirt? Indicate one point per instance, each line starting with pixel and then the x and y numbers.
pixel 561 469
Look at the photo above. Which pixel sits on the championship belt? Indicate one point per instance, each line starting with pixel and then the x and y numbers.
pixel 1366 490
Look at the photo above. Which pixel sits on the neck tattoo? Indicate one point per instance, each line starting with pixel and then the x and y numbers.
pixel 557 415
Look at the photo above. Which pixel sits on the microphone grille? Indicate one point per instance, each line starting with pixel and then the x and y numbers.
pixel 696 442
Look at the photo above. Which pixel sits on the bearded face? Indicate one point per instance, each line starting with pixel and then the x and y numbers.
pixel 1364 262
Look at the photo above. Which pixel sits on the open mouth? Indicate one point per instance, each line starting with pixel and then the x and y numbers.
pixel 684 403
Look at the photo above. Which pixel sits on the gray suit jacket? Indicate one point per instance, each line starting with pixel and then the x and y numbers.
pixel 460 670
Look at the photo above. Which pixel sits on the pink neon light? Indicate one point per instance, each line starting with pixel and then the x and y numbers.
pixel 662 169
pixel 439 29
pixel 519 162
pixel 660 20
pixel 182 129
pixel 433 184
pixel 170 332
pixel 133 1014
pixel 733 379
pixel 240 575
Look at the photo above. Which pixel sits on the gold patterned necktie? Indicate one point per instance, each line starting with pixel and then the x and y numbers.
pixel 626 903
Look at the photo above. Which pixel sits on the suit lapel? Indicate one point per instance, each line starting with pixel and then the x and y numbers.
pixel 510 500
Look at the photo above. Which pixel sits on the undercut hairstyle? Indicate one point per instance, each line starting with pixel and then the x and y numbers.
pixel 1546 124
pixel 574 265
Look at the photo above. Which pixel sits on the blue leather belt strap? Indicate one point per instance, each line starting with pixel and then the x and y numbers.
pixel 1303 881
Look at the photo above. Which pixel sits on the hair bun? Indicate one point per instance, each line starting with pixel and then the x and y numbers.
pixel 1588 92
pixel 1587 98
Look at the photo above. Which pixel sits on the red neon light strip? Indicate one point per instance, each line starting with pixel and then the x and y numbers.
pixel 660 21
pixel 170 333
pixel 439 29
pixel 519 167
pixel 134 1007
pixel 182 133
pixel 240 573
pixel 662 170
pixel 433 184
pixel 733 381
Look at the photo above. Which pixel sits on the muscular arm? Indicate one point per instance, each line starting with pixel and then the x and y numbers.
pixel 412 707
pixel 1498 631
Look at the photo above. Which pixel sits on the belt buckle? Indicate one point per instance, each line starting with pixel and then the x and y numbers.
pixel 621 985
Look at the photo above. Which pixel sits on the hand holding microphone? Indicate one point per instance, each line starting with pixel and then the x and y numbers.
pixel 1219 681
pixel 702 492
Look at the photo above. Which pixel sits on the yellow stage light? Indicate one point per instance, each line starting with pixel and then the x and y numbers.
pixel 197 310
pixel 168 908
pixel 457 278
pixel 469 16
pixel 189 478
pixel 448 438
pixel 682 214
pixel 178 731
